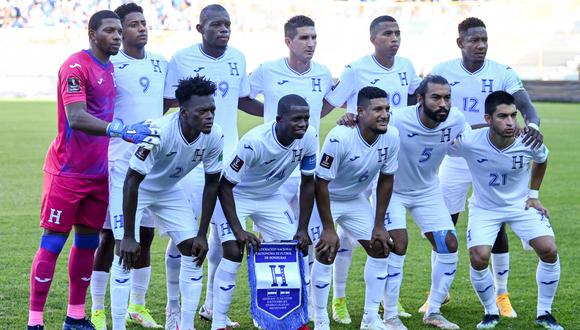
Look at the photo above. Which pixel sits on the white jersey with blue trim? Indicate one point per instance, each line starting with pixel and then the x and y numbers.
pixel 228 72
pixel 500 177
pixel 261 164
pixel 174 157
pixel 276 79
pixel 349 163
pixel 399 82
pixel 470 89
pixel 139 85
pixel 422 148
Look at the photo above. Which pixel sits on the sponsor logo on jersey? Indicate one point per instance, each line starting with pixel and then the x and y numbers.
pixel 454 83
pixel 100 81
pixel 169 154
pixel 237 164
pixel 76 65
pixel 123 66
pixel 326 161
pixel 73 85
pixel 375 81
pixel 282 82
pixel 142 153
pixel 412 134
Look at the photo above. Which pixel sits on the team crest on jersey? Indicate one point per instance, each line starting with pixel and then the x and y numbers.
pixel 326 161
pixel 237 164
pixel 142 153
pixel 73 85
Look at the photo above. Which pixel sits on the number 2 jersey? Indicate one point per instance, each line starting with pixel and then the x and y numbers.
pixel 500 177
pixel 174 157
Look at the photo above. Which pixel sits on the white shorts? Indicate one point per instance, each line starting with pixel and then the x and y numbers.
pixel 290 190
pixel 174 215
pixel 455 180
pixel 428 211
pixel 356 217
pixel 484 225
pixel 271 216
pixel 117 174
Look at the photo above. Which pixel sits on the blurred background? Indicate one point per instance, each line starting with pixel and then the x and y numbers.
pixel 539 39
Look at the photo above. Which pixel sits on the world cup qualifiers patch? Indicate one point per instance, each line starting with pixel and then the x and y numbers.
pixel 237 164
pixel 142 153
pixel 73 85
pixel 326 161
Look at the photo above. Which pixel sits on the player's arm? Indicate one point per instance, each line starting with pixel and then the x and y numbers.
pixel 306 205
pixel 209 197
pixel 130 248
pixel 228 204
pixel 538 172
pixel 79 119
pixel 380 235
pixel 326 108
pixel 329 242
pixel 251 106
pixel 533 136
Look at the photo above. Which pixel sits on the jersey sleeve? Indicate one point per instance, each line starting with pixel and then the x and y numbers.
pixel 456 147
pixel 243 158
pixel 308 162
pixel 256 80
pixel 73 80
pixel 512 82
pixel 330 157
pixel 143 160
pixel 540 155
pixel 392 163
pixel 213 163
pixel 414 81
pixel 244 83
pixel 171 79
pixel 344 88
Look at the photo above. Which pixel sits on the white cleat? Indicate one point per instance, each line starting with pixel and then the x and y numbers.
pixel 437 320
pixel 207 314
pixel 372 323
pixel 322 325
pixel 395 323
pixel 172 319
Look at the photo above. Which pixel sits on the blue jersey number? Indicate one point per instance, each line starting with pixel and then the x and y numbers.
pixel 426 155
pixel 496 179
pixel 470 104
pixel 144 82
pixel 177 172
pixel 223 87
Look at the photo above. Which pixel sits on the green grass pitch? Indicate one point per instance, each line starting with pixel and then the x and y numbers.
pixel 29 127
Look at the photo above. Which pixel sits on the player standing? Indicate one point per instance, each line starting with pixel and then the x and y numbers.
pixel 75 191
pixel 226 67
pixel 350 159
pixel 472 78
pixel 396 76
pixel 188 139
pixel 140 77
pixel 250 187
pixel 499 163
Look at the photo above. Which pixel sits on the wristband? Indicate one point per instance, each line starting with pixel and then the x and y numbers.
pixel 534 126
pixel 534 194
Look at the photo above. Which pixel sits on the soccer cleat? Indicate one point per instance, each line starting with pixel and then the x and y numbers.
pixel 322 324
pixel 207 315
pixel 402 312
pixel 395 323
pixel 340 311
pixel 488 322
pixel 372 323
pixel 172 319
pixel 547 321
pixel 36 327
pixel 138 314
pixel 425 307
pixel 74 324
pixel 437 320
pixel 99 319
pixel 505 306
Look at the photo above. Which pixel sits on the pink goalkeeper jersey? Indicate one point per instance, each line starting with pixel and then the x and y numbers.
pixel 82 78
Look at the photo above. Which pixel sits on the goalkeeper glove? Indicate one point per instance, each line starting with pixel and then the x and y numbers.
pixel 144 134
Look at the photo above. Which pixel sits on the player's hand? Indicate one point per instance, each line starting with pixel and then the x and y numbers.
pixel 145 134
pixel 348 119
pixel 535 203
pixel 129 251
pixel 532 137
pixel 328 244
pixel 199 249
pixel 303 240
pixel 381 240
pixel 247 239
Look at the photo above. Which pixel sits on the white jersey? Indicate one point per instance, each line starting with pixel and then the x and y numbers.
pixel 276 79
pixel 399 81
pixel 140 84
pixel 174 157
pixel 422 148
pixel 228 72
pixel 261 164
pixel 469 90
pixel 500 177
pixel 350 163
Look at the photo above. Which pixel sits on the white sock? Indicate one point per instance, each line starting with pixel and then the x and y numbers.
pixel 482 282
pixel 547 277
pixel 224 284
pixel 98 289
pixel 139 284
pixel 172 266
pixel 393 286
pixel 500 264
pixel 341 267
pixel 214 255
pixel 442 276
pixel 120 288
pixel 375 280
pixel 321 276
pixel 190 286
pixel 433 259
